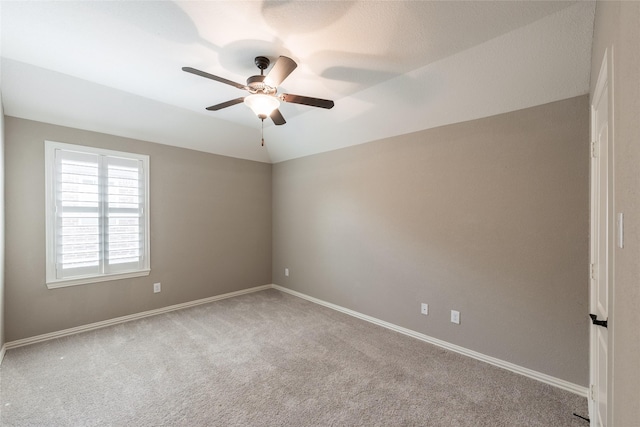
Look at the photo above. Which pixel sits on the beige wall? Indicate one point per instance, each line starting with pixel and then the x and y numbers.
pixel 210 231
pixel 617 28
pixel 489 217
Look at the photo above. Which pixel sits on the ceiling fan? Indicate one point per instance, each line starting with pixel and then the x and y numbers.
pixel 263 96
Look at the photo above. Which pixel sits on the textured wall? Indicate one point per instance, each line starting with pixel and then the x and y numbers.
pixel 617 28
pixel 489 217
pixel 210 232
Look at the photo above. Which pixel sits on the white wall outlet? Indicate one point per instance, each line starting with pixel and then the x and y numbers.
pixel 157 288
pixel 455 317
pixel 286 272
pixel 424 308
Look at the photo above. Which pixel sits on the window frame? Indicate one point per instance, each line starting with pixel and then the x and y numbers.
pixel 51 279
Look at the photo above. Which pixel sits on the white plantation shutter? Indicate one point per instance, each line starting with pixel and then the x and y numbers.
pixel 124 207
pixel 97 225
pixel 78 237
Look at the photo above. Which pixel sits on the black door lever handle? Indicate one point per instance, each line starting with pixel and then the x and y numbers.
pixel 598 322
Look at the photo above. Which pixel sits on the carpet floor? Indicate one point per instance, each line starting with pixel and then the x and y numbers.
pixel 265 359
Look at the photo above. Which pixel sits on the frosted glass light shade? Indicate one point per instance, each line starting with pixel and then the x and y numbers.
pixel 262 105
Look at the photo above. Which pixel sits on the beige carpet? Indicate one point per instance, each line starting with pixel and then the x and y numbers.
pixel 265 359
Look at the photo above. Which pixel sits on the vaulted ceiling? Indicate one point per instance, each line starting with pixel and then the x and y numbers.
pixel 392 67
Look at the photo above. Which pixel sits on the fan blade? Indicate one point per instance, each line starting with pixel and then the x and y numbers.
pixel 225 104
pixel 305 100
pixel 212 77
pixel 281 69
pixel 277 118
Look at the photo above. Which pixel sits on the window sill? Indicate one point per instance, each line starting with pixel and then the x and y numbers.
pixel 95 279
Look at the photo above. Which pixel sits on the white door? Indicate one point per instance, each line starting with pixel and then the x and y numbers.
pixel 601 246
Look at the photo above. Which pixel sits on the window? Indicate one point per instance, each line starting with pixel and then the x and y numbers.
pixel 97 221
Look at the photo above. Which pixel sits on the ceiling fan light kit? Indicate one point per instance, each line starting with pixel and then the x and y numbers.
pixel 264 100
pixel 262 105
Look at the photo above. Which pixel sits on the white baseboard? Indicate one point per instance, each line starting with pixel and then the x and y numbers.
pixel 3 350
pixel 547 379
pixel 123 319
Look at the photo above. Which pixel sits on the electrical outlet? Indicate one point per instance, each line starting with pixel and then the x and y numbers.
pixel 455 317
pixel 157 288
pixel 424 308
pixel 286 272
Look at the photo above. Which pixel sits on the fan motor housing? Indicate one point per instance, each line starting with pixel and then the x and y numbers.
pixel 256 85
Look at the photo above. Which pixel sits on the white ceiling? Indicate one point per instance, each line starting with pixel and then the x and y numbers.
pixel 392 67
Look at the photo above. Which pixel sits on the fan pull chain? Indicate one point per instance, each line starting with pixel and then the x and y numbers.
pixel 262 131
